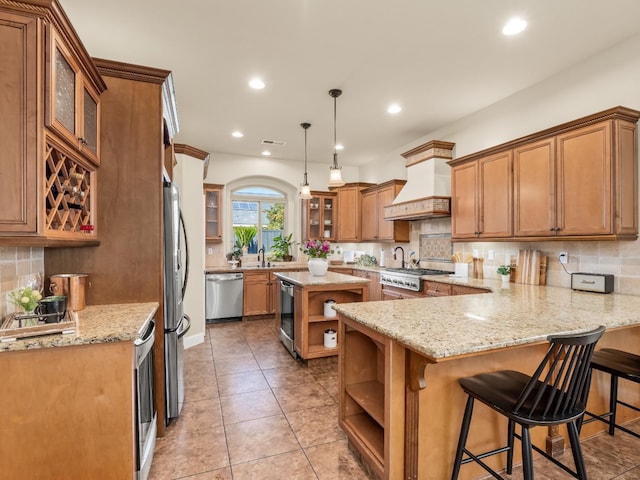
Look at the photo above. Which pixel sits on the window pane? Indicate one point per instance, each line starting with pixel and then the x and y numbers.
pixel 263 208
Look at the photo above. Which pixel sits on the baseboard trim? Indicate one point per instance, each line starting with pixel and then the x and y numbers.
pixel 193 340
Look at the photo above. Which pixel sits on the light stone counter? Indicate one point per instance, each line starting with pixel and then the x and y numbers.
pixel 304 279
pixel 274 266
pixel 95 324
pixel 445 327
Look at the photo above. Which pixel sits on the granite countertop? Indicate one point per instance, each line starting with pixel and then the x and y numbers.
pixel 95 324
pixel 331 278
pixel 445 327
pixel 253 268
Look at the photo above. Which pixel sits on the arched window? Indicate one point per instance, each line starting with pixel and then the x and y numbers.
pixel 258 215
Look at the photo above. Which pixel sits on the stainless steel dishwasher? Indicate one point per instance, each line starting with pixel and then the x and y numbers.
pixel 223 299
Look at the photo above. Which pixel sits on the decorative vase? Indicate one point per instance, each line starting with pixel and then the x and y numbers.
pixel 506 278
pixel 318 266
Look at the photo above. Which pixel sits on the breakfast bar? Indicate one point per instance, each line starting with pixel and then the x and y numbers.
pixel 400 402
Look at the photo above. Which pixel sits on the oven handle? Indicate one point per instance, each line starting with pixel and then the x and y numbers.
pixel 144 344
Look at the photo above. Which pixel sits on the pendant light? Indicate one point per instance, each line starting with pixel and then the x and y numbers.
pixel 305 190
pixel 335 176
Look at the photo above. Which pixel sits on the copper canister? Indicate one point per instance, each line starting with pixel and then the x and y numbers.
pixel 73 286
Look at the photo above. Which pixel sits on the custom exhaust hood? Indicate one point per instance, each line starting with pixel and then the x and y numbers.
pixel 427 193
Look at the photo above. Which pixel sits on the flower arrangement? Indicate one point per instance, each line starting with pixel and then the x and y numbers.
pixel 316 248
pixel 26 298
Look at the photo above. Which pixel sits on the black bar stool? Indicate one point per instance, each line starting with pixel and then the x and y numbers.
pixel 618 364
pixel 555 394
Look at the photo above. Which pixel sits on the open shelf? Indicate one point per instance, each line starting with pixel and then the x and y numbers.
pixel 370 434
pixel 321 351
pixel 370 396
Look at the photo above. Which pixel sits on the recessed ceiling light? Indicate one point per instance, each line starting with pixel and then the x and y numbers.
pixel 394 108
pixel 237 134
pixel 514 26
pixel 256 83
pixel 266 153
pixel 339 146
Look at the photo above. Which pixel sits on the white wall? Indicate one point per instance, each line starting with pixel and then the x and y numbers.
pixel 607 80
pixel 188 175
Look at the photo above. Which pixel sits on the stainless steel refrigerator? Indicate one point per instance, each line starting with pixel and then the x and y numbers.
pixel 176 323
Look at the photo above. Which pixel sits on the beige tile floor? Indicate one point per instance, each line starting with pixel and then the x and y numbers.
pixel 252 412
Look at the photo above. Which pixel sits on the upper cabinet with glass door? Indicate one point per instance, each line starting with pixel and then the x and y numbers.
pixel 213 212
pixel 73 104
pixel 319 216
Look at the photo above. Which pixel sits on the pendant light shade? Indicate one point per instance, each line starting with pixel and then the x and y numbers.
pixel 335 174
pixel 305 190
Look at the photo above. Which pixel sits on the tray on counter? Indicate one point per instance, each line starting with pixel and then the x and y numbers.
pixel 9 331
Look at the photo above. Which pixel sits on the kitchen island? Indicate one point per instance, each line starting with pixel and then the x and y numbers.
pixel 69 400
pixel 309 319
pixel 400 403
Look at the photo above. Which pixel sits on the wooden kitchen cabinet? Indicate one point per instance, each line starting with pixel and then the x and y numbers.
pixel 69 412
pixel 375 289
pixel 213 212
pixel 73 103
pixel 49 181
pixel 394 293
pixel 374 226
pixel 261 293
pixel 575 181
pixel 436 289
pixel 349 221
pixel 534 187
pixel 257 295
pixel 596 171
pixel 572 176
pixel 319 215
pixel 481 197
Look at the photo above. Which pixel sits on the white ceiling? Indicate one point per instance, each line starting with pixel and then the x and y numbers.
pixel 440 59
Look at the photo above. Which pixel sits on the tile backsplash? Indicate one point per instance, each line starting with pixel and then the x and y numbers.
pixel 620 258
pixel 15 262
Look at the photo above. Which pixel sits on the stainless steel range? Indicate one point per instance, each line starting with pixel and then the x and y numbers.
pixel 407 278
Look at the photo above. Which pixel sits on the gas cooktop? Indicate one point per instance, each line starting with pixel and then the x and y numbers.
pixel 407 278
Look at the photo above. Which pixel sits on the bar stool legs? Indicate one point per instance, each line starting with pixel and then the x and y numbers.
pixel 555 394
pixel 619 365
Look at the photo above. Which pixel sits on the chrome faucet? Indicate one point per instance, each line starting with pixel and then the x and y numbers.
pixel 402 259
pixel 261 250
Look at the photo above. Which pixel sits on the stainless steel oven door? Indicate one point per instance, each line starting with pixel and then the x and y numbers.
pixel 145 406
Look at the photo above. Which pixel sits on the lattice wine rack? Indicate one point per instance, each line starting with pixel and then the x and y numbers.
pixel 67 193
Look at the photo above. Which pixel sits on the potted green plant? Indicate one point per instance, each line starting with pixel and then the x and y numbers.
pixel 505 272
pixel 236 253
pixel 281 248
pixel 244 235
